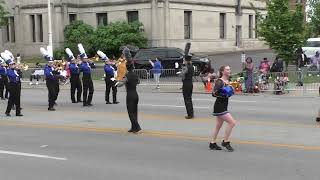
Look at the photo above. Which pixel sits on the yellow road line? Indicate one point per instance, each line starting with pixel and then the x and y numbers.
pixel 180 118
pixel 161 134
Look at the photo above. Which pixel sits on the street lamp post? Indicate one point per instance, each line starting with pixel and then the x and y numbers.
pixel 50 46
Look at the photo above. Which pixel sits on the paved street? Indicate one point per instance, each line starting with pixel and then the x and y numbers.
pixel 276 138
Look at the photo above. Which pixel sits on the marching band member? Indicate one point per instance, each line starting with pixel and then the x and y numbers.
pixel 3 79
pixel 222 91
pixel 131 81
pixel 52 80
pixel 109 79
pixel 20 76
pixel 86 66
pixel 74 78
pixel 14 85
pixel 187 86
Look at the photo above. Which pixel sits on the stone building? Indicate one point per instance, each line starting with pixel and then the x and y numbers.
pixel 211 25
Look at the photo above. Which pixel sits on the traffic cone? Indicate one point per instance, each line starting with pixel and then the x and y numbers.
pixel 209 86
pixel 318 118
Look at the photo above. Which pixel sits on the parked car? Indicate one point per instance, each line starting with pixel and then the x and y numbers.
pixel 168 58
pixel 311 47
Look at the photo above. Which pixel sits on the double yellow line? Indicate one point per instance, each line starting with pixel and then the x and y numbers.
pixel 159 134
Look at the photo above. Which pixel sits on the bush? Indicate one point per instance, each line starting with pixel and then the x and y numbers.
pixel 59 54
pixel 105 38
pixel 79 32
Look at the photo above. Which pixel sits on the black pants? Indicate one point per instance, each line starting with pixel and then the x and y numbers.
pixel 110 84
pixel 75 85
pixel 132 107
pixel 52 92
pixel 187 89
pixel 4 85
pixel 37 77
pixel 57 88
pixel 87 85
pixel 14 98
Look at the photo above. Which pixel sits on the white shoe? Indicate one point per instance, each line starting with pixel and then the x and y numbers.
pixel 37 83
pixel 31 83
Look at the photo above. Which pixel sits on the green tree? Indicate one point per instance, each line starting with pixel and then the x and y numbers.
pixel 314 16
pixel 79 32
pixel 284 30
pixel 109 38
pixel 105 38
pixel 3 13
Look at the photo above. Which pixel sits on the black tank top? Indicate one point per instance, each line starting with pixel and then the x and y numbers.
pixel 132 81
pixel 189 74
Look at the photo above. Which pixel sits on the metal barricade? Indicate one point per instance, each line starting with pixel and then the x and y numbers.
pixel 284 82
pixel 166 77
pixel 143 75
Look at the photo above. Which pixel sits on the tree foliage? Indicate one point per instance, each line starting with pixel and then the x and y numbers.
pixel 105 38
pixel 283 29
pixel 79 32
pixel 3 13
pixel 314 16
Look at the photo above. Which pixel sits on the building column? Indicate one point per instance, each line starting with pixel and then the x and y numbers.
pixel 166 23
pixel 154 23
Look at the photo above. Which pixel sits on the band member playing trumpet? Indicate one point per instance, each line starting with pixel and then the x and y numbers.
pixel 3 80
pixel 86 67
pixel 74 78
pixel 52 80
pixel 14 86
pixel 109 79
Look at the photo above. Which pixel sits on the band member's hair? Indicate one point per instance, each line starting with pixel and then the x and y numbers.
pixel 222 68
pixel 127 54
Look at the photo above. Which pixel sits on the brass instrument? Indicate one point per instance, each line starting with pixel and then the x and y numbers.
pixel 60 64
pixel 23 66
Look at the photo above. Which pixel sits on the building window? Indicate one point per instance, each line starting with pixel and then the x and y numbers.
pixel 132 16
pixel 222 25
pixel 256 25
pixel 102 19
pixel 10 35
pixel 40 28
pixel 12 30
pixel 250 26
pixel 72 17
pixel 33 28
pixel 7 37
pixel 187 24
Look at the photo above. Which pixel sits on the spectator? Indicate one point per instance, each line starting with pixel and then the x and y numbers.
pixel 249 67
pixel 264 66
pixel 243 60
pixel 315 62
pixel 301 61
pixel 157 67
pixel 36 74
pixel 18 58
pixel 277 65
pixel 206 73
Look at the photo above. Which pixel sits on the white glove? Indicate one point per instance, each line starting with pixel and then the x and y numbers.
pixel 112 79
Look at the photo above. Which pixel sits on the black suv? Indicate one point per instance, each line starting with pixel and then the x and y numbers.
pixel 168 58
